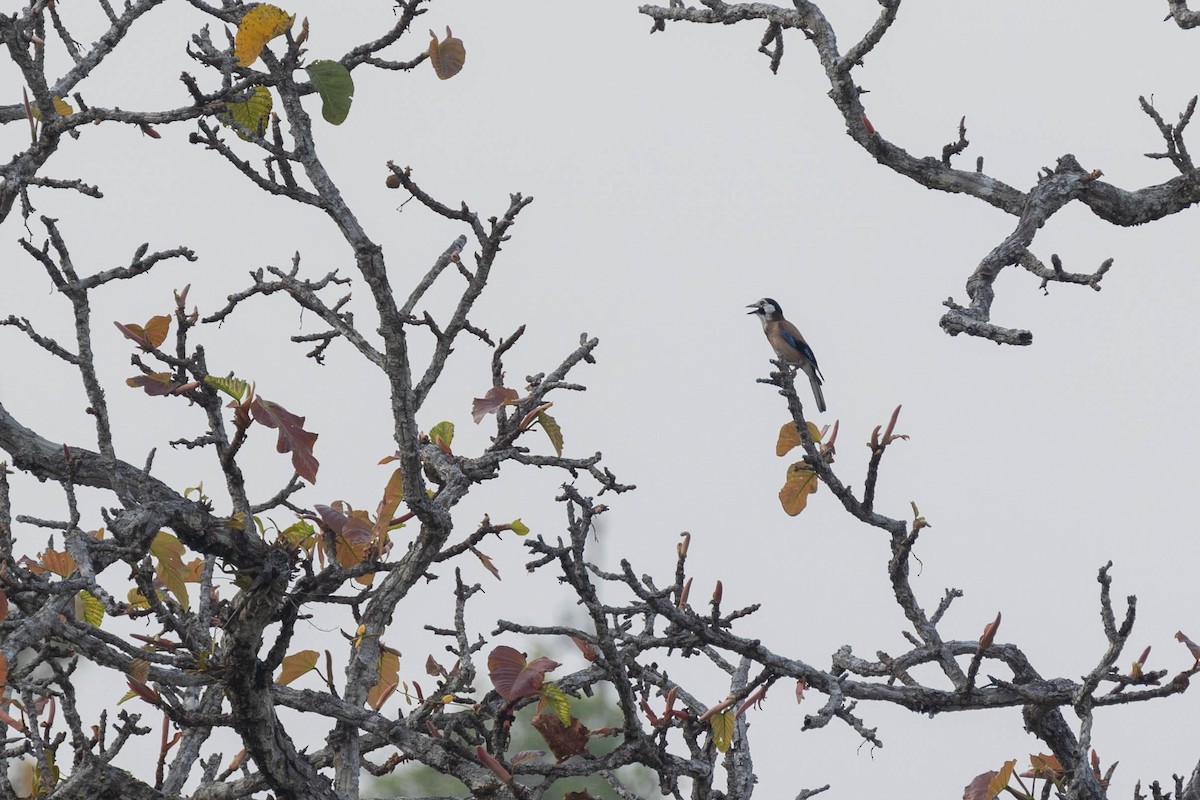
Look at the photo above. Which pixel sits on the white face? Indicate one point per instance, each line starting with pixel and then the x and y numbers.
pixel 767 307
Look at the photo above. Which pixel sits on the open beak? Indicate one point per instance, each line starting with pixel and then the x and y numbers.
pixel 753 309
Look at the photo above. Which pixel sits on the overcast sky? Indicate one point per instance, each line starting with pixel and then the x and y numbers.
pixel 675 181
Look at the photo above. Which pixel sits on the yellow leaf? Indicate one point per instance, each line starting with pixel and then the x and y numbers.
pixel 89 608
pixel 558 700
pixel 447 56
pixel 997 784
pixel 260 25
pixel 62 107
pixel 136 599
pixel 722 728
pixel 251 114
pixel 801 482
pixel 296 665
pixel 552 429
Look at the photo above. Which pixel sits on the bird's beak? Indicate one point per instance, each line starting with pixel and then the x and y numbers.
pixel 753 309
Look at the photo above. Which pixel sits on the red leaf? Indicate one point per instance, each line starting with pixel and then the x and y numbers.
pixel 587 648
pixel 292 436
pixel 489 761
pixel 496 397
pixel 156 384
pixel 512 677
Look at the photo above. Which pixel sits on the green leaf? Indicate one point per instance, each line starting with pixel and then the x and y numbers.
pixel 722 729
pixel 234 387
pixel 558 700
pixel 251 114
pixel 299 534
pixel 442 434
pixel 518 527
pixel 336 87
pixel 552 430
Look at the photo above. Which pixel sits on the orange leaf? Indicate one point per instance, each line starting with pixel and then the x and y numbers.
pixel 389 677
pixel 297 664
pixel 150 335
pixel 989 633
pixel 801 482
pixel 61 564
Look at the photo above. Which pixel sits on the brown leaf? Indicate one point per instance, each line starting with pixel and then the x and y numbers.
pixel 448 56
pixel 1044 766
pixel 496 398
pixel 432 667
pixel 292 436
pixel 487 562
pixel 564 741
pixel 1192 647
pixel 977 789
pixel 3 606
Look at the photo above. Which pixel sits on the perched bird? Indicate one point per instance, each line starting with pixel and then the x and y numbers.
pixel 789 344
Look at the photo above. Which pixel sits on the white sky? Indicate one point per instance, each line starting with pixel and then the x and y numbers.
pixel 677 180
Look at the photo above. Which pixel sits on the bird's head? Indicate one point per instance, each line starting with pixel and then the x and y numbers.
pixel 766 308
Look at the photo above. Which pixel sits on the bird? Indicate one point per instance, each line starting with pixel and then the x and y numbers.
pixel 789 344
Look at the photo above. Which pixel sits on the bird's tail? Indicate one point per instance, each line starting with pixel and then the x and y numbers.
pixel 815 382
